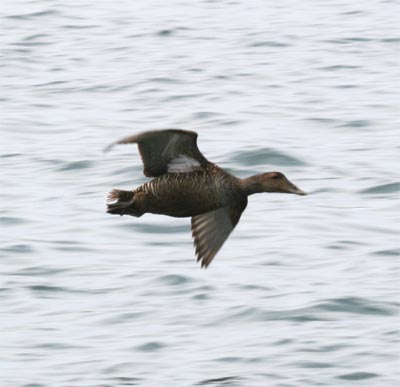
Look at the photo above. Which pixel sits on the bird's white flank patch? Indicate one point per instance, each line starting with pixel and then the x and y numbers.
pixel 183 163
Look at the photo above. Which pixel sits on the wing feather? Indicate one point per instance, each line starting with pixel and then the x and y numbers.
pixel 211 230
pixel 170 150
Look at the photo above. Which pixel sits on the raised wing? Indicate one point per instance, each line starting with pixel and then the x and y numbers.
pixel 170 150
pixel 210 231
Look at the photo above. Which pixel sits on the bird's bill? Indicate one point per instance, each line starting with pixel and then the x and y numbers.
pixel 293 189
pixel 299 191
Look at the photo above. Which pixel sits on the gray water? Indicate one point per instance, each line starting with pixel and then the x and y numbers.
pixel 306 290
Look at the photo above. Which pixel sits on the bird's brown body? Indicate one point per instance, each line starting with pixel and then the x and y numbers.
pixel 186 184
pixel 199 192
pixel 159 197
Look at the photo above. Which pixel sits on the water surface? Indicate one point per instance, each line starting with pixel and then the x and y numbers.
pixel 306 290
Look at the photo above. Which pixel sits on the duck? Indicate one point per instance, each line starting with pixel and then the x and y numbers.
pixel 186 184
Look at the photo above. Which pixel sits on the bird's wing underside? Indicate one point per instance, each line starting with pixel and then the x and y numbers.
pixel 210 231
pixel 170 150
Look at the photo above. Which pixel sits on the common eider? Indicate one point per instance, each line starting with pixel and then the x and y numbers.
pixel 186 184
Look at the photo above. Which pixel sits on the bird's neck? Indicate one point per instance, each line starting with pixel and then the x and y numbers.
pixel 252 185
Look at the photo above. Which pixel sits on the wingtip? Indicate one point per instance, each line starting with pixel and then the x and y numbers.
pixel 203 265
pixel 108 147
pixel 204 261
pixel 125 140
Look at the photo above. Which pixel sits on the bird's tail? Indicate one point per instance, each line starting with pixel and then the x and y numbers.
pixel 122 203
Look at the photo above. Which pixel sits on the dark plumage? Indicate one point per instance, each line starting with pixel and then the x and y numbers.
pixel 186 184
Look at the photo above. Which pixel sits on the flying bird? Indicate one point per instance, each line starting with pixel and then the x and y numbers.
pixel 186 184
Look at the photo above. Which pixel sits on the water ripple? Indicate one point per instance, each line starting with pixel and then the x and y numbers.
pixel 33 15
pixel 382 189
pixel 225 381
pixel 265 156
pixel 13 221
pixel 356 124
pixel 358 376
pixel 151 346
pixel 174 280
pixel 41 271
pixel 76 165
pixel 320 312
pixel 47 290
pixel 19 248
pixel 123 318
pixel 159 228
pixel 389 252
pixel 269 43
pixel 356 305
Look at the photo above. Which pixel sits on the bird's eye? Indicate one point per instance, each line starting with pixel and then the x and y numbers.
pixel 275 176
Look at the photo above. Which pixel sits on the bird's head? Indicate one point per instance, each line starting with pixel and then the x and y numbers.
pixel 271 182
